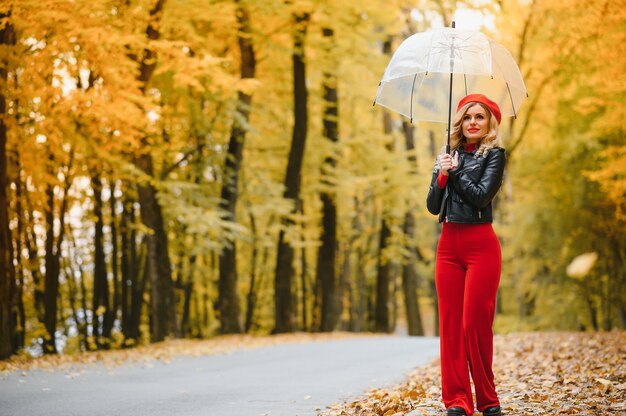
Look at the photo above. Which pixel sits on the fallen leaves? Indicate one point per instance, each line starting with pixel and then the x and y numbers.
pixel 566 373
pixel 536 374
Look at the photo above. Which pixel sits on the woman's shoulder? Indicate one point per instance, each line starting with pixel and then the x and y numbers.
pixel 496 151
pixel 496 155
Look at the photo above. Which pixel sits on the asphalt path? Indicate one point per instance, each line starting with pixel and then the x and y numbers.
pixel 287 379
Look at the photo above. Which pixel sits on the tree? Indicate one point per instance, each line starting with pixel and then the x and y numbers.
pixel 410 281
pixel 571 117
pixel 7 271
pixel 101 309
pixel 53 246
pixel 230 319
pixel 162 307
pixel 326 255
pixel 284 309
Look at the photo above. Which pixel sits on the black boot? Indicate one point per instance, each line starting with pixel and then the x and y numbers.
pixel 456 411
pixel 492 411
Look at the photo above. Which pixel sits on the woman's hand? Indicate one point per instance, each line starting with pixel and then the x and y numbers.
pixel 448 162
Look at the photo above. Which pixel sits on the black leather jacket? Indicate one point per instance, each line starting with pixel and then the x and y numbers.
pixel 471 187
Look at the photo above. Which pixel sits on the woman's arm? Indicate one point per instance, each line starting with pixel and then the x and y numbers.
pixel 435 193
pixel 482 192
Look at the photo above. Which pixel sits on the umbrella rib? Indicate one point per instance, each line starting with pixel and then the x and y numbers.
pixel 507 84
pixel 511 98
pixel 428 56
pixel 412 89
pixel 377 93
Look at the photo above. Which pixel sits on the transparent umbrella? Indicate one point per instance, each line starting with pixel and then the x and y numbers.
pixel 431 71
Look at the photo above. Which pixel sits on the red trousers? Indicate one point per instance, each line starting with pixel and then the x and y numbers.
pixel 467 274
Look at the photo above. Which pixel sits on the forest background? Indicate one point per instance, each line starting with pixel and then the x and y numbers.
pixel 184 168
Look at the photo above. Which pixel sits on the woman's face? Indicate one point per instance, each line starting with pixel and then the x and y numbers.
pixel 475 123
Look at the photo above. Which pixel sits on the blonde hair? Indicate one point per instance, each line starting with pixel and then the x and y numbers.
pixel 488 142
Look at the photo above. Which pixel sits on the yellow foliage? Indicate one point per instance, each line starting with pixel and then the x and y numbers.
pixel 75 93
pixel 611 176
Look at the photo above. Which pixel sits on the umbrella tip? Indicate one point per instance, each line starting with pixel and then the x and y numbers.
pixel 453 24
pixel 374 104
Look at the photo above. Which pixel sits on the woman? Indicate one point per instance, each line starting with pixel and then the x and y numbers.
pixel 469 260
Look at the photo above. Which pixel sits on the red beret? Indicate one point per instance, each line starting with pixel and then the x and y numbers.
pixel 479 98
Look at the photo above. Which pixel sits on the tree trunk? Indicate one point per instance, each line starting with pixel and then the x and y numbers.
pixel 180 280
pixel 7 271
pixel 358 291
pixel 208 284
pixel 19 216
pixel 31 243
pixel 132 285
pixel 84 303
pixel 101 305
pixel 51 278
pixel 410 282
pixel 73 299
pixel 251 298
pixel 303 275
pixel 593 311
pixel 53 253
pixel 283 301
pixel 345 281
pixel 394 296
pixel 382 322
pixel 163 312
pixel 162 308
pixel 382 285
pixel 228 302
pixel 188 291
pixel 189 300
pixel 360 302
pixel 141 277
pixel 113 313
pixel 74 266
pixel 126 262
pixel 326 269
pixel 284 309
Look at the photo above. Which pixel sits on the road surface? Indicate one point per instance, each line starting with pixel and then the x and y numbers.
pixel 279 380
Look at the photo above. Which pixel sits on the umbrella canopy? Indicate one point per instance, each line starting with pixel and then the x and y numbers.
pixel 418 79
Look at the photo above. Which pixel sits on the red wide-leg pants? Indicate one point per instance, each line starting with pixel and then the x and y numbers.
pixel 467 274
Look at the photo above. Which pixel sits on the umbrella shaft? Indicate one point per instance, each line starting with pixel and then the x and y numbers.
pixel 450 98
pixel 449 114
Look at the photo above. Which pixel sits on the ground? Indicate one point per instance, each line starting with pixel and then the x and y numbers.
pixel 536 374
